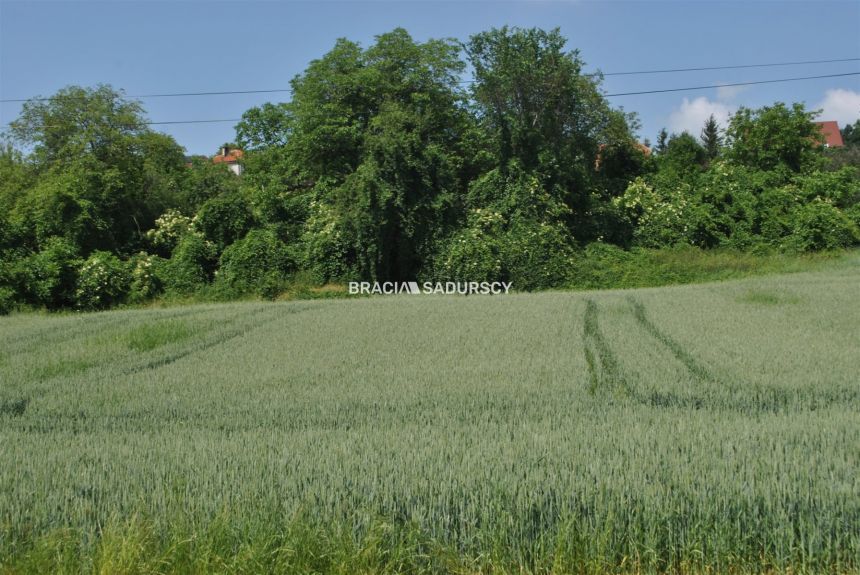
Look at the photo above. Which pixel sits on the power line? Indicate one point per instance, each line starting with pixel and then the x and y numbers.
pixel 732 84
pixel 731 67
pixel 662 91
pixel 192 122
pixel 166 95
pixel 630 73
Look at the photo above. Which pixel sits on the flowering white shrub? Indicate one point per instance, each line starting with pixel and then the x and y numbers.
pixel 103 280
pixel 145 282
pixel 170 227
pixel 660 215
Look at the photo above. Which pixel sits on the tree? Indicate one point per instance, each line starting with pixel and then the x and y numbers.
pixel 544 116
pixel 711 138
pixel 775 138
pixel 851 134
pixel 662 140
pixel 205 180
pixel 77 121
pixel 264 127
pixel 381 136
pixel 101 176
pixel 683 154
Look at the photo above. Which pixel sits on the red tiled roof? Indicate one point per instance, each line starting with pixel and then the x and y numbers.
pixel 231 157
pixel 832 135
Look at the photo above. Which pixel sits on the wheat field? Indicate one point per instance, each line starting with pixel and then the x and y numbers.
pixel 701 428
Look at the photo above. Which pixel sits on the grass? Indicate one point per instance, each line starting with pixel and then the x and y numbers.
pixel 150 336
pixel 602 266
pixel 705 428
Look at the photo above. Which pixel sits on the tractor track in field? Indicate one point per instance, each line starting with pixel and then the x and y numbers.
pixel 16 406
pixel 606 375
pixel 81 325
pixel 228 335
pixel 693 365
pixel 603 368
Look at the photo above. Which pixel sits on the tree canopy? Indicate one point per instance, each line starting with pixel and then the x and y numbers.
pixel 389 164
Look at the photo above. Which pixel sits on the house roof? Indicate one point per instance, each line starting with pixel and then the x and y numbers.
pixel 230 156
pixel 832 135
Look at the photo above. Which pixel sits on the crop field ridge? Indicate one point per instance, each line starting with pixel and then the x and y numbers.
pixel 694 429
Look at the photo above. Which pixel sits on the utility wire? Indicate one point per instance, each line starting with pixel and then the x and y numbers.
pixel 281 90
pixel 730 67
pixel 192 122
pixel 732 84
pixel 663 91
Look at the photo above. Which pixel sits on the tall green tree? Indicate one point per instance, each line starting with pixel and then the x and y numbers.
pixel 662 141
pixel 684 155
pixel 544 115
pixel 775 138
pixel 851 134
pixel 102 176
pixel 711 138
pixel 382 136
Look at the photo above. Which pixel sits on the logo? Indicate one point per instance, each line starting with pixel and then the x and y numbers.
pixel 428 288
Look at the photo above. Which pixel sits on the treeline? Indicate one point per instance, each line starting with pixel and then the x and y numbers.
pixel 385 165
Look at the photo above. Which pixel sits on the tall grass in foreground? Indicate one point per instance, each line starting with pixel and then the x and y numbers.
pixel 697 429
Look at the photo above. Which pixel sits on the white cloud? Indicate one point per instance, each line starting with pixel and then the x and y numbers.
pixel 840 105
pixel 692 114
pixel 730 92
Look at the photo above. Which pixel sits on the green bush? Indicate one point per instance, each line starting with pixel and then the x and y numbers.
pixel 7 300
pixel 660 213
pixel 475 253
pixel 146 282
pixel 776 213
pixel 170 228
pixel 819 225
pixel 224 219
pixel 841 187
pixel 48 278
pixel 103 281
pixel 190 267
pixel 602 265
pixel 258 263
pixel 531 254
pixel 537 255
pixel 730 195
pixel 325 250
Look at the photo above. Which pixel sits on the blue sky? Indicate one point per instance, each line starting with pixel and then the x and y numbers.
pixel 158 46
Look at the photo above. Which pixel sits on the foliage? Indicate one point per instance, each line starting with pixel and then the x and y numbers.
pixel 475 252
pixel 47 278
pixel 7 300
pixel 386 166
pixel 662 141
pixel 103 281
pixel 224 219
pixel 711 138
pixel 661 215
pixel 385 153
pixel 543 114
pixel 520 236
pixel 258 263
pixel 264 127
pixel 204 181
pixel 683 155
pixel 851 134
pixel 145 281
pixel 774 138
pixel 191 265
pixel 730 195
pixel 101 175
pixel 819 225
pixel 169 229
